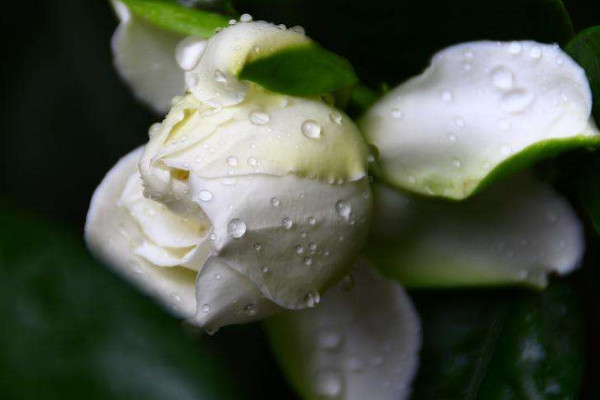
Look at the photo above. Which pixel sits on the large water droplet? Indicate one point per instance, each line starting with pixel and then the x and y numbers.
pixel 343 209
pixel 245 18
pixel 308 261
pixel 502 78
pixel 205 195
pixel 236 228
pixel 232 161
pixel 328 384
pixel 189 51
pixel 219 76
pixel 336 118
pixel 259 117
pixel 517 101
pixel 287 223
pixel 311 129
pixel 311 299
pixel 205 308
pixel 250 310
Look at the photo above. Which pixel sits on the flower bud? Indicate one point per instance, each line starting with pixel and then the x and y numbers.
pixel 244 207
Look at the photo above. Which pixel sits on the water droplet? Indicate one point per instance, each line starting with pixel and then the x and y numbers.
pixel 467 67
pixel 205 195
pixel 329 340
pixel 396 113
pixel 219 76
pixel 343 209
pixel 259 117
pixel 312 247
pixel 311 129
pixel 446 95
pixel 502 78
pixel 459 122
pixel 189 51
pixel 236 228
pixel 347 283
pixel 328 384
pixel 308 261
pixel 312 221
pixel 245 18
pixel 264 269
pixel 298 29
pixel 252 161
pixel 299 249
pixel 535 52
pixel 517 101
pixel 275 202
pixel 311 299
pixel 232 161
pixel 287 223
pixel 336 118
pixel 250 310
pixel 515 48
pixel 205 308
pixel 257 247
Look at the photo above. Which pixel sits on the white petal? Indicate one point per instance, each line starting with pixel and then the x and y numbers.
pixel 478 104
pixel 518 231
pixel 112 233
pixel 144 56
pixel 304 232
pixel 225 297
pixel 214 79
pixel 358 344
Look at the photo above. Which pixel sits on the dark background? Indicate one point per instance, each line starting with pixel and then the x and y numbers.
pixel 66 118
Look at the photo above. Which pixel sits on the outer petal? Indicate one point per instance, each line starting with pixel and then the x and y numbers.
pixel 226 297
pixel 293 237
pixel 111 233
pixel 358 344
pixel 514 233
pixel 145 251
pixel 474 111
pixel 214 79
pixel 145 58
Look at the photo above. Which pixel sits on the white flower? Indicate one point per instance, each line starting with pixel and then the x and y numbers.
pixel 246 202
pixel 477 107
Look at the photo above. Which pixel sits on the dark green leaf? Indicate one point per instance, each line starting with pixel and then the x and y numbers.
pixel 585 49
pixel 501 345
pixel 174 17
pixel 301 70
pixel 393 40
pixel 72 330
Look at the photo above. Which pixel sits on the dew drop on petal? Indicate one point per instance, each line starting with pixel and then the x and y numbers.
pixel 396 113
pixel 311 299
pixel 250 310
pixel 236 228
pixel 502 78
pixel 275 202
pixel 343 209
pixel 232 161
pixel 259 117
pixel 336 118
pixel 328 384
pixel 287 223
pixel 311 129
pixel 205 195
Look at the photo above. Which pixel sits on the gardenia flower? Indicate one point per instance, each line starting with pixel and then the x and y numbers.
pixel 244 202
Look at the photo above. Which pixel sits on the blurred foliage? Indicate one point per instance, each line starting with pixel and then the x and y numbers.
pixel 501 345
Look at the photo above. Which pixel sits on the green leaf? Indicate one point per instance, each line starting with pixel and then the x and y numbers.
pixel 501 345
pixel 171 16
pixel 392 40
pixel 70 329
pixel 301 70
pixel 585 48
